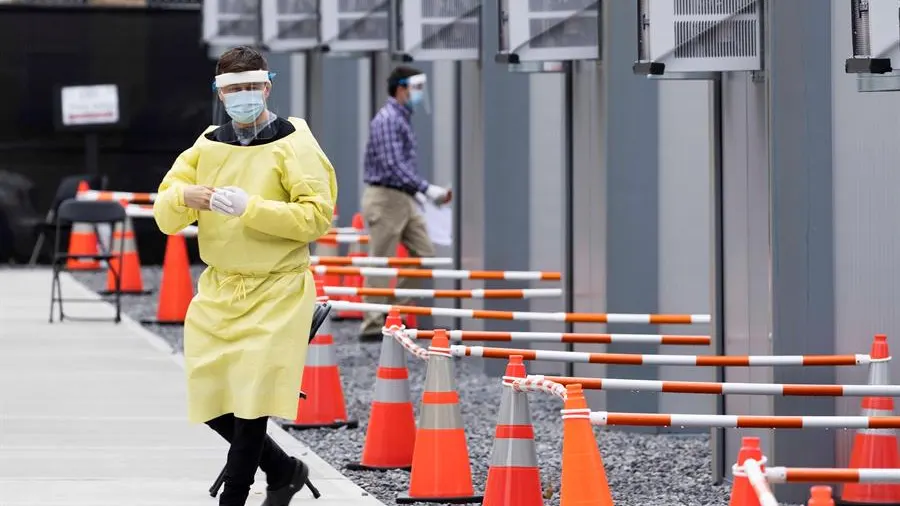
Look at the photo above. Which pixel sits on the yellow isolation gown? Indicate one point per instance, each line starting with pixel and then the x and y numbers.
pixel 247 330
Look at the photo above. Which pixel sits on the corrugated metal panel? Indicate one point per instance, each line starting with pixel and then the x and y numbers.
pixel 866 216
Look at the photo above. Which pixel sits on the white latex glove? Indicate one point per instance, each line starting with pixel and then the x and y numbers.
pixel 436 194
pixel 231 201
pixel 421 199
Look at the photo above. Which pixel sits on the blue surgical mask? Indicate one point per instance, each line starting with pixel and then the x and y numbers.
pixel 245 106
pixel 415 97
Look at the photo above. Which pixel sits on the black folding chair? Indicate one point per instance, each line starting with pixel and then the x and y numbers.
pixel 319 315
pixel 94 214
pixel 67 189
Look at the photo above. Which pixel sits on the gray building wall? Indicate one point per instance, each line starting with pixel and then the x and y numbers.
pixel 806 175
pixel 778 236
pixel 866 243
pixel 631 198
pixel 684 243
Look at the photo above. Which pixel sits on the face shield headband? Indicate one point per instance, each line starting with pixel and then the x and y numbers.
pixel 248 77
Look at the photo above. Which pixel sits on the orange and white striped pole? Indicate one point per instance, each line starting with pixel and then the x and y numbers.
pixel 114 196
pixel 653 359
pixel 526 293
pixel 637 318
pixel 702 387
pixel 380 261
pixel 342 231
pixel 387 272
pixel 607 418
pixel 563 337
pixel 831 475
pixel 343 239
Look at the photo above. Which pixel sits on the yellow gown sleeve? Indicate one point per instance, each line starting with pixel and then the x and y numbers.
pixel 309 178
pixel 169 211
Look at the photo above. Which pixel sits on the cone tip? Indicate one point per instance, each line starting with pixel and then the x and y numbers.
pixel 820 495
pixel 750 442
pixel 574 388
pixel 515 368
pixel 393 318
pixel 440 339
pixel 879 347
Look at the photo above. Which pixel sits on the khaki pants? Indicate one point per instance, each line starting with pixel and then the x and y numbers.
pixel 392 217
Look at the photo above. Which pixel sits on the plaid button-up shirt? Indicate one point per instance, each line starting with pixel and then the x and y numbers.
pixel 391 151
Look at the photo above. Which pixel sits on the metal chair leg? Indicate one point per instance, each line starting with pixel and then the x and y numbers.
pixel 52 294
pixel 40 240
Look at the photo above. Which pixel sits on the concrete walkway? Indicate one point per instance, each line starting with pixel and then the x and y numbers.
pixel 94 413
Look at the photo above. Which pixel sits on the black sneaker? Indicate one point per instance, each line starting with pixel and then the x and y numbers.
pixel 282 496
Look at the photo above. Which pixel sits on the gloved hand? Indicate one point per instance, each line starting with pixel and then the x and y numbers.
pixel 231 201
pixel 437 194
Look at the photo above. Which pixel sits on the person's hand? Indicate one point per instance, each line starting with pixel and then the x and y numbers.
pixel 231 201
pixel 437 194
pixel 198 196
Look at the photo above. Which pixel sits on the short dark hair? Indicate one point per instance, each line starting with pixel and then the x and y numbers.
pixel 241 59
pixel 398 74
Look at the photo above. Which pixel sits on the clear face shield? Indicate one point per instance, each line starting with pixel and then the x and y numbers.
pixel 418 93
pixel 241 107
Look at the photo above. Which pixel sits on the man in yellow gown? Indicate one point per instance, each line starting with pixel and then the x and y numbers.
pixel 261 189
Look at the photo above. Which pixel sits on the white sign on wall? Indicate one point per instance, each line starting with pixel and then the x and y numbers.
pixel 90 105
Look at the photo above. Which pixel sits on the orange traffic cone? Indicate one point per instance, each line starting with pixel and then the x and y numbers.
pixel 391 435
pixel 355 280
pixel 324 405
pixel 820 496
pixel 177 288
pixel 742 493
pixel 513 476
pixel 441 471
pixel 583 477
pixel 83 241
pixel 126 263
pixel 875 448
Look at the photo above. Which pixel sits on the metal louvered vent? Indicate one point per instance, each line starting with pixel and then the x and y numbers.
pixel 151 4
pixel 436 29
pixel 290 25
pixel 701 35
pixel 230 22
pixel 550 30
pixel 354 25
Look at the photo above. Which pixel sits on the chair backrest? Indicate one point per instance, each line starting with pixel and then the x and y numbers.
pixel 72 210
pixel 68 187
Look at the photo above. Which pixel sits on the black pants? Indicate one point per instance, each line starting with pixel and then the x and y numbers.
pixel 250 449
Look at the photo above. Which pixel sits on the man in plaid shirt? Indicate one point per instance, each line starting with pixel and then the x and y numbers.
pixel 393 185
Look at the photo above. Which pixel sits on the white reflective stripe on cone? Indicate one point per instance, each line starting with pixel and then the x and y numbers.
pixel 513 453
pixel 514 408
pixel 440 416
pixel 393 391
pixel 320 355
pixel 393 354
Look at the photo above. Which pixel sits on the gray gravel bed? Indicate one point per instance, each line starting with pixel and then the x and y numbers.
pixel 642 469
